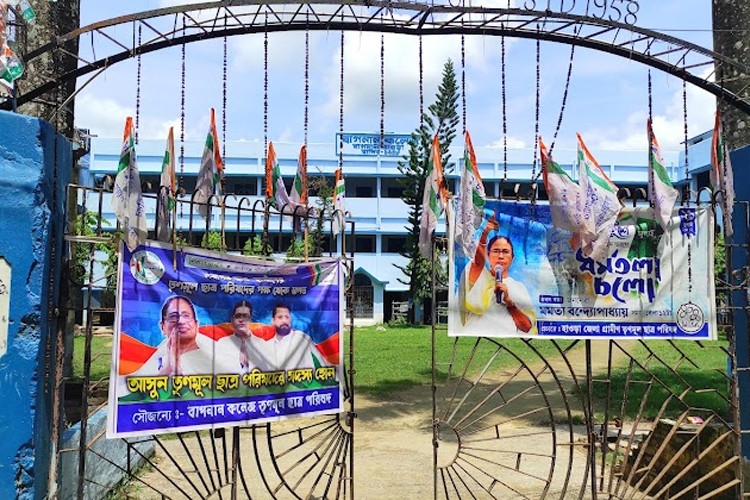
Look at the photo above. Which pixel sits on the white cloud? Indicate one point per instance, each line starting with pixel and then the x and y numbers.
pixel 668 123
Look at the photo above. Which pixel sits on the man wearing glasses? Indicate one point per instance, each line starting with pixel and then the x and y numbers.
pixel 495 301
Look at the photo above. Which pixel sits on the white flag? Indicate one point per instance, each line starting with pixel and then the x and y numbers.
pixel 339 195
pixel 167 187
pixel 127 200
pixel 433 200
pixel 600 204
pixel 660 190
pixel 211 170
pixel 470 210
pixel 565 197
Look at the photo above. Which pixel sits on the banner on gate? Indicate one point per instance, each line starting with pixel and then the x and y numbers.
pixel 222 340
pixel 528 278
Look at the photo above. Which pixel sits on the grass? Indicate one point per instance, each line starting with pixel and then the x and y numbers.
pixel 390 359
pixel 101 357
pixel 696 369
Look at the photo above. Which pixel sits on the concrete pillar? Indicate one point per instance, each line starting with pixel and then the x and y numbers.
pixel 35 165
pixel 732 39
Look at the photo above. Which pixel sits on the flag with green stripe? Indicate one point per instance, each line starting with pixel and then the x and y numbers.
pixel 600 204
pixel 565 198
pixel 127 199
pixel 660 190
pixel 211 170
pixel 339 195
pixel 434 199
pixel 167 186
pixel 472 198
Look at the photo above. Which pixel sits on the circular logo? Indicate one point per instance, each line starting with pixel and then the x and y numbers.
pixel 690 317
pixel 146 267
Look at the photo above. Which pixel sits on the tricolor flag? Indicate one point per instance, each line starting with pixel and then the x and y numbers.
pixel 127 200
pixel 167 187
pixel 600 204
pixel 299 187
pixel 298 196
pixel 211 170
pixel 434 199
pixel 470 210
pixel 339 195
pixel 565 197
pixel 660 190
pixel 275 189
pixel 722 176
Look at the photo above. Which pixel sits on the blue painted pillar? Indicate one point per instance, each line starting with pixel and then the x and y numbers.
pixel 741 162
pixel 35 166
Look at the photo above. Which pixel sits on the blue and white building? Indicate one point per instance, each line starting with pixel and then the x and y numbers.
pixel 373 192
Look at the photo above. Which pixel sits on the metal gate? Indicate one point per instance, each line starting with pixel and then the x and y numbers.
pixel 593 418
pixel 302 458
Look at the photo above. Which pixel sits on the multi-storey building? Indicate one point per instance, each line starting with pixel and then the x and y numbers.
pixel 373 190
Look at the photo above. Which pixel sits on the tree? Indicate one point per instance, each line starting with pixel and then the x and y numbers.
pixel 442 119
pixel 103 254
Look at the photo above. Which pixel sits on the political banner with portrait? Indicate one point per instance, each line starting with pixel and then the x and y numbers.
pixel 528 278
pixel 205 339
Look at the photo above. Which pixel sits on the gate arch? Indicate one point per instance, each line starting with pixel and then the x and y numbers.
pixel 115 44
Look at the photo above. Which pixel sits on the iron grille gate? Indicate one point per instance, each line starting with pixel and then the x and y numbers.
pixel 512 419
pixel 302 458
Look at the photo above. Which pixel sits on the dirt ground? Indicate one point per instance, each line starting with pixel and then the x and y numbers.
pixel 393 453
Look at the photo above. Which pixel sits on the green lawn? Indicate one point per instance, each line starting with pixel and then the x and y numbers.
pixel 101 356
pixel 697 369
pixel 389 359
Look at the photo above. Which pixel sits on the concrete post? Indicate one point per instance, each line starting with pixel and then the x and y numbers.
pixel 35 165
pixel 732 39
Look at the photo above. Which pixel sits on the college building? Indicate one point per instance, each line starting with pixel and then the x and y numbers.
pixel 373 190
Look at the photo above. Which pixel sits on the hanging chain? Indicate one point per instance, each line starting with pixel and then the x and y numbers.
pixel 421 84
pixel 651 194
pixel 687 181
pixel 181 181
pixel 537 105
pixel 307 74
pixel 138 87
pixel 341 100
pixel 463 80
pixel 565 94
pixel 503 102
pixel 224 99
pixel 382 88
pixel 265 82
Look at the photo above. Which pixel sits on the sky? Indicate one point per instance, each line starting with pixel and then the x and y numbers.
pixel 607 101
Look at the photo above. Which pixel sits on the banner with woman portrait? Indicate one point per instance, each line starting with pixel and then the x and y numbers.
pixel 205 339
pixel 528 278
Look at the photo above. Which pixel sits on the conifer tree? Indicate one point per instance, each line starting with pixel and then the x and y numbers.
pixel 442 118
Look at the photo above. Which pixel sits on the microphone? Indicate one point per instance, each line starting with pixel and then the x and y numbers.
pixel 499 279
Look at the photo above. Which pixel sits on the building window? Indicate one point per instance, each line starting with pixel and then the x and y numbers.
pixel 393 244
pixel 245 188
pixel 362 297
pixel 391 188
pixel 364 244
pixel 361 187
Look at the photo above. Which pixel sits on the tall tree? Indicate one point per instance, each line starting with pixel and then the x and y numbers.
pixel 442 119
